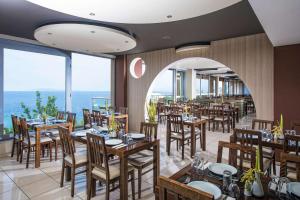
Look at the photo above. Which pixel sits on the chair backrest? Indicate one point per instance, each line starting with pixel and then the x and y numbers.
pixel 292 144
pixel 86 118
pixel 97 117
pixel 24 130
pixel 15 124
pixel 295 125
pixel 176 109
pixel 175 123
pixel 227 105
pixel 260 124
pixel 97 153
pixel 71 118
pixel 61 115
pixel 237 152
pixel 171 189
pixel 67 144
pixel 123 110
pixel 149 129
pixel 249 138
pixel 289 158
pixel 219 111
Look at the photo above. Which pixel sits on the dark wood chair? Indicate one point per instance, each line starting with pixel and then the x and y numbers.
pixel 61 115
pixel 286 159
pixel 295 125
pixel 260 124
pixel 144 158
pixel 28 142
pixel 172 189
pixel 101 169
pixel 162 112
pixel 87 119
pixel 16 137
pixel 252 138
pixel 176 132
pixel 97 117
pixel 220 117
pixel 248 153
pixel 71 158
pixel 207 114
pixel 71 119
pixel 123 110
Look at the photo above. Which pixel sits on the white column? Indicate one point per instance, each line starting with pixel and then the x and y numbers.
pixel 174 84
pixel 1 84
pixel 68 83
pixel 190 86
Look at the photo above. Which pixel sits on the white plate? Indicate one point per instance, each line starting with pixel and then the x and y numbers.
pixel 294 188
pixel 80 133
pixel 137 135
pixel 219 168
pixel 112 142
pixel 207 187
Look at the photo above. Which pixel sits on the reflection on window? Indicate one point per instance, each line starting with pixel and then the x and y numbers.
pixel 24 74
pixel 91 83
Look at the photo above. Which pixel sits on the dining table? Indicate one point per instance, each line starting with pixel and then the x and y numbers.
pixel 108 117
pixel 38 127
pixel 123 153
pixel 188 174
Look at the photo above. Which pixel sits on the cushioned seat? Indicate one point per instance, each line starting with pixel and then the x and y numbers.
pixel 177 135
pixel 291 175
pixel 114 171
pixel 220 119
pixel 206 117
pixel 43 140
pixel 141 158
pixel 80 157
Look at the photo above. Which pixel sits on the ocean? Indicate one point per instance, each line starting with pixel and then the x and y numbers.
pixel 80 100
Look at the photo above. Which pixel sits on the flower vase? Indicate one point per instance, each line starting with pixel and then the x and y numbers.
pixel 113 134
pixel 247 189
pixel 257 188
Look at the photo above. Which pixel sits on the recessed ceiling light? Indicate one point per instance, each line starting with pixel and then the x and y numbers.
pixel 92 14
pixel 93 32
pixel 166 37
pixel 169 16
pixel 49 33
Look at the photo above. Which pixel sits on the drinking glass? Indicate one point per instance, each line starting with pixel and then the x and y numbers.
pixel 196 160
pixel 227 179
pixel 234 190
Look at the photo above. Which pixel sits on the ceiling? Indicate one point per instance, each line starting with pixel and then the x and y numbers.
pixel 20 18
pixel 280 20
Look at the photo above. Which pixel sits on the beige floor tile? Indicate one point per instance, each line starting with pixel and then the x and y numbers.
pixel 26 176
pixel 15 194
pixel 56 194
pixel 39 187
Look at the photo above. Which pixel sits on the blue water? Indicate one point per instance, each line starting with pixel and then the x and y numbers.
pixel 80 100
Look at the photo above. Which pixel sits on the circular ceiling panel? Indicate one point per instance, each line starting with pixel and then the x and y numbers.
pixel 136 11
pixel 85 38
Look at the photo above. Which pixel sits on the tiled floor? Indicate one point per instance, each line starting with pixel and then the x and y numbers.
pixel 18 183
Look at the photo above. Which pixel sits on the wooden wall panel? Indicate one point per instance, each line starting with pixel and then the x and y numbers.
pixel 120 81
pixel 251 57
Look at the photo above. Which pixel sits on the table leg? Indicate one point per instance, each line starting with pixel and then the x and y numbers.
pixel 37 148
pixel 168 139
pixel 193 139
pixel 203 138
pixel 123 178
pixel 156 165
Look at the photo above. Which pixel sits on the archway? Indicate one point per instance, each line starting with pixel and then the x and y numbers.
pixel 204 66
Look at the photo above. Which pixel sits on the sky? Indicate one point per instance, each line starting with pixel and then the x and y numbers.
pixel 163 83
pixel 27 71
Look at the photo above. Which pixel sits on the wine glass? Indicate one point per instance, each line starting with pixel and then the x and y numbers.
pixel 196 160
pixel 227 179
pixel 234 190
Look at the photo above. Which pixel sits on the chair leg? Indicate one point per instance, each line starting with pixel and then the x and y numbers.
pixel 62 174
pixel 72 180
pixel 18 150
pixel 182 150
pixel 56 149
pixel 28 156
pixel 21 153
pixel 223 127
pixel 274 165
pixel 50 150
pixel 139 182
pixel 89 183
pixel 13 148
pixel 107 190
pixel 133 186
pixel 177 145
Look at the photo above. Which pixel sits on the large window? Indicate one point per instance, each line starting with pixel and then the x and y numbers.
pixel 204 87
pixel 24 74
pixel 91 83
pixel 163 86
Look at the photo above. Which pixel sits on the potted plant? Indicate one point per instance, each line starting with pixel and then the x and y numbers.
pixel 151 109
pixel 278 129
pixel 113 126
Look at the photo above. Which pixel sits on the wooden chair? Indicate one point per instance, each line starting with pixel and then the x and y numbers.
pixel 237 154
pixel 295 125
pixel 220 117
pixel 71 158
pixel 71 119
pixel 28 142
pixel 144 158
pixel 207 114
pixel 171 189
pixel 176 132
pixel 123 110
pixel 285 171
pixel 100 168
pixel 252 138
pixel 162 112
pixel 87 119
pixel 260 124
pixel 97 117
pixel 61 115
pixel 17 136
